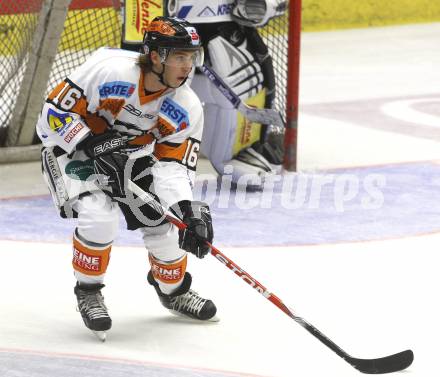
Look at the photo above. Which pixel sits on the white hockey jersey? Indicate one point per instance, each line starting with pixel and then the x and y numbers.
pixel 107 92
pixel 198 12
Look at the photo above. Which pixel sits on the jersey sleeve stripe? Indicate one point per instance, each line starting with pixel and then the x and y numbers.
pixel 185 153
pixel 170 144
pixel 176 153
pixel 57 96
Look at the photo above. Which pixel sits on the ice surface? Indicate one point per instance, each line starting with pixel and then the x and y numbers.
pixel 368 279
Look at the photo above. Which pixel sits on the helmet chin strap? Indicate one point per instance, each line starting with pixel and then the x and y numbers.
pixel 162 80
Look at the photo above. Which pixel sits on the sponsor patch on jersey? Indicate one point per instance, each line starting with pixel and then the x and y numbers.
pixel 116 89
pixel 110 145
pixel 79 170
pixel 138 113
pixel 207 12
pixel 222 10
pixel 176 113
pixel 73 131
pixel 59 122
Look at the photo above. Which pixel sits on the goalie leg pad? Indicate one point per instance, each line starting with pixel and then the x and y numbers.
pixel 248 169
pixel 236 66
pixel 250 164
pixel 261 52
pixel 218 134
pixel 251 157
pixel 220 122
pixel 228 52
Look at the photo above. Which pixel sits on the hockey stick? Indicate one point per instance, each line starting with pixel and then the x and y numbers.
pixel 388 364
pixel 264 116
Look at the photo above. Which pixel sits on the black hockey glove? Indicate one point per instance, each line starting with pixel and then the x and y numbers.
pixel 108 161
pixel 197 217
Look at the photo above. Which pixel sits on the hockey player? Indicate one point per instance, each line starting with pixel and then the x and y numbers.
pixel 237 53
pixel 126 115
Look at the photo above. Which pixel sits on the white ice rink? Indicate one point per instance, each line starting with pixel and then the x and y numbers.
pixel 372 298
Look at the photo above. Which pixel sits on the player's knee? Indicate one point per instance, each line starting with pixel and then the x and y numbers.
pixel 162 242
pixel 249 169
pixel 98 220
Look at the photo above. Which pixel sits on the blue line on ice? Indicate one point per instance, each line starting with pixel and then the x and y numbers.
pixel 329 207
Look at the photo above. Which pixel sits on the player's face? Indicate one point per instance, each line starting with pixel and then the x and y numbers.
pixel 178 66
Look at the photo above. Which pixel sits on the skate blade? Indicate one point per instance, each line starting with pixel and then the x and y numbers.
pixel 214 319
pixel 101 335
pixel 178 314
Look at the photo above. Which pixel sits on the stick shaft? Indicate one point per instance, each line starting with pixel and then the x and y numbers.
pixel 264 116
pixel 387 364
pixel 260 288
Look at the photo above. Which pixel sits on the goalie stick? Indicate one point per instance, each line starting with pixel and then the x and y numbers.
pixel 387 364
pixel 263 116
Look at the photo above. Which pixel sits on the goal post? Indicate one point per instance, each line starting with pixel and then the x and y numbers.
pixel 290 162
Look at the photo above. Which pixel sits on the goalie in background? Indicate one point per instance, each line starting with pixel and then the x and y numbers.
pixel 126 115
pixel 236 51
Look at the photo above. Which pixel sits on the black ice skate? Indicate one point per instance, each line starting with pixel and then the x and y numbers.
pixel 92 308
pixel 185 302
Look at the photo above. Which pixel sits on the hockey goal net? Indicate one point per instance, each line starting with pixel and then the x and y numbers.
pixel 18 21
pixel 87 26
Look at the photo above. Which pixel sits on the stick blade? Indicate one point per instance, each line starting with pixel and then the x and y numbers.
pixel 388 364
pixel 101 335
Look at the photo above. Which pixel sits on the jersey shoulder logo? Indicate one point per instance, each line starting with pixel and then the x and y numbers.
pixel 59 122
pixel 207 12
pixel 116 89
pixel 222 10
pixel 175 113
